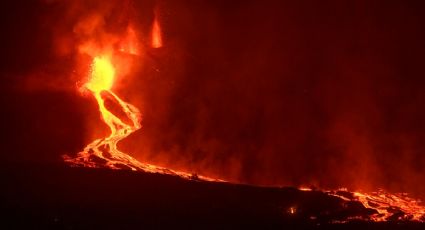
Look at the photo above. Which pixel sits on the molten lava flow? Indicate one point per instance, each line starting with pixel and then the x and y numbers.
pixel 122 120
pixel 101 81
pixel 388 206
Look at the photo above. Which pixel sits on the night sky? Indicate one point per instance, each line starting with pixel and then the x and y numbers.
pixel 324 93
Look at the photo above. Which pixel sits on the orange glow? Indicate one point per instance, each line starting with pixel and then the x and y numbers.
pixel 305 189
pixel 292 210
pixel 130 44
pixel 156 35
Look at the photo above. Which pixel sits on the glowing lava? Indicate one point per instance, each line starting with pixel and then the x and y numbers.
pixel 100 83
pixel 123 119
pixel 397 206
pixel 102 77
pixel 103 152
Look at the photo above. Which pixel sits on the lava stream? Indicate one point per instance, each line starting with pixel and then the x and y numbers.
pixel 103 152
pixel 388 206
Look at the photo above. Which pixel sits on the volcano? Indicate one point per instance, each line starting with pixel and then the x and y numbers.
pixel 154 114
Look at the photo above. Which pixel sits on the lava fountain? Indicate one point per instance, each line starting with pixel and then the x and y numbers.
pixel 121 117
pixel 100 83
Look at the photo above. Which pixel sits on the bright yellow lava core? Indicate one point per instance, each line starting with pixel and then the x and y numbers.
pixel 102 77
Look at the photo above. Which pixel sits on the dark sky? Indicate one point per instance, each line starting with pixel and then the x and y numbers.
pixel 329 93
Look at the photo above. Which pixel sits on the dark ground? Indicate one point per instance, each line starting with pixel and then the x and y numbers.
pixel 83 198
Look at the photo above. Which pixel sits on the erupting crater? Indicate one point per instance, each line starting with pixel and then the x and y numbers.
pixel 121 117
